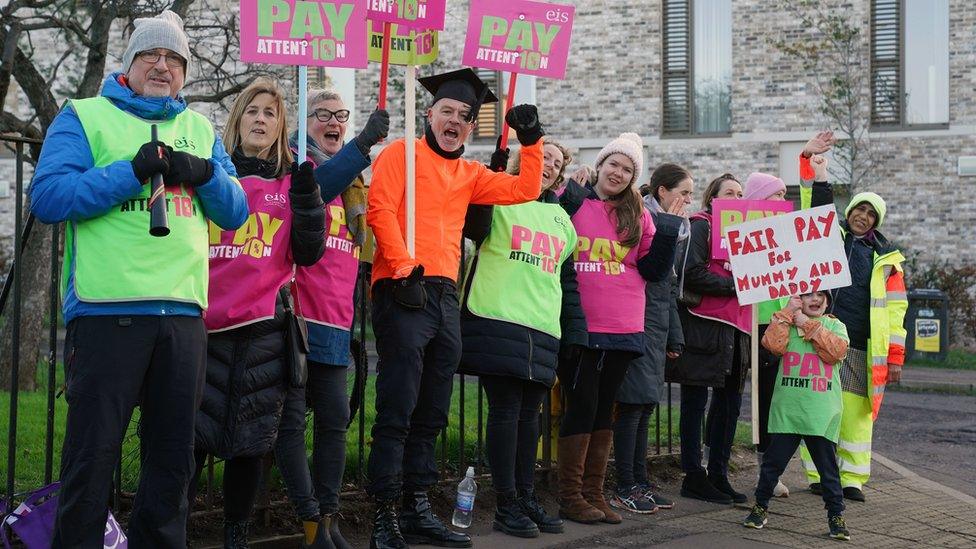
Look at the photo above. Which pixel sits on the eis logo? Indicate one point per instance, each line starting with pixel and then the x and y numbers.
pixel 276 200
pixel 184 143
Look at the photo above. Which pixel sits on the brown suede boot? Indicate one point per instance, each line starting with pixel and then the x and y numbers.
pixel 572 506
pixel 595 472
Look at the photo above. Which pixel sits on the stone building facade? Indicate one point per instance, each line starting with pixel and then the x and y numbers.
pixel 614 84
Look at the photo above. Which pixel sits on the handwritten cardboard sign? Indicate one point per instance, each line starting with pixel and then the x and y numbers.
pixel 726 213
pixel 407 46
pixel 421 14
pixel 519 36
pixel 299 32
pixel 786 255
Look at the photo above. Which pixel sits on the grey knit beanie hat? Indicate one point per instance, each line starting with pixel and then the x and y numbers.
pixel 163 31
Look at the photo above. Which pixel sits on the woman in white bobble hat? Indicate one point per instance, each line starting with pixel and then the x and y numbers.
pixel 618 249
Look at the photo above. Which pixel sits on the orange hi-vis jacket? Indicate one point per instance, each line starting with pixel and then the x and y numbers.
pixel 444 189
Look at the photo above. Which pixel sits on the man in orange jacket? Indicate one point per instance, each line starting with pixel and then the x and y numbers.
pixel 415 299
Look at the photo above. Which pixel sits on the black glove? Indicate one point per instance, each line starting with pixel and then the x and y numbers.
pixel 570 355
pixel 409 292
pixel 524 119
pixel 151 158
pixel 499 158
pixel 303 178
pixel 187 169
pixel 374 131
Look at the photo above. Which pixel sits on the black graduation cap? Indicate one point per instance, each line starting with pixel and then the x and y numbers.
pixel 462 85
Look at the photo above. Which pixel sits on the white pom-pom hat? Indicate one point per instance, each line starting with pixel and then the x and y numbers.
pixel 628 144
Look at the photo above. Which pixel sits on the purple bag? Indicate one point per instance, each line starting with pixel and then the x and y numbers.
pixel 33 521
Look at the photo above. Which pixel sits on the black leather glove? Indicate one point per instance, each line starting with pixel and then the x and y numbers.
pixel 374 131
pixel 409 292
pixel 151 158
pixel 499 158
pixel 187 169
pixel 303 178
pixel 524 119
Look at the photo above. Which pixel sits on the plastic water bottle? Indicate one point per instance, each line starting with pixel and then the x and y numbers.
pixel 464 509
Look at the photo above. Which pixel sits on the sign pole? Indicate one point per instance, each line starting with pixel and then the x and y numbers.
pixel 410 130
pixel 754 352
pixel 302 112
pixel 509 100
pixel 385 66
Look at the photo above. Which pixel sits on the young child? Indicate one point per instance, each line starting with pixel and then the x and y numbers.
pixel 806 402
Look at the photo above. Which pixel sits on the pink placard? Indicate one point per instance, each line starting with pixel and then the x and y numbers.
pixel 299 32
pixel 415 14
pixel 519 36
pixel 726 213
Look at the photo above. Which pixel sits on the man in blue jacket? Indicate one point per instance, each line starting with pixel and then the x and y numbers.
pixel 133 302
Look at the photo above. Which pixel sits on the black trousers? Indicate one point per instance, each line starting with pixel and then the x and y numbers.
pixel 242 481
pixel 720 424
pixel 512 431
pixel 589 386
pixel 419 351
pixel 112 364
pixel 777 456
pixel 315 492
pixel 630 443
pixel 768 363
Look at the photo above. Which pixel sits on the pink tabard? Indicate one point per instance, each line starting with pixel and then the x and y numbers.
pixel 324 291
pixel 248 266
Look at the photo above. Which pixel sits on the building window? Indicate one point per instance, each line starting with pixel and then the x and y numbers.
pixel 697 67
pixel 490 115
pixel 909 63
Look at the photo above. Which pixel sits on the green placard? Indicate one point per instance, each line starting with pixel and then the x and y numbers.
pixel 407 46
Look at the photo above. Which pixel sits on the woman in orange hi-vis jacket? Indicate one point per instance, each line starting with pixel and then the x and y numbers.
pixel 415 300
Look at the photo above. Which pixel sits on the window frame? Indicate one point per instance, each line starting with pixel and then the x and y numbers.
pixel 490 133
pixel 901 124
pixel 689 46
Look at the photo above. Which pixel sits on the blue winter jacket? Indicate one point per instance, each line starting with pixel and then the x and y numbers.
pixel 67 187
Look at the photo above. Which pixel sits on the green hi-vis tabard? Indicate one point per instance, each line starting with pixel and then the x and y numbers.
pixel 517 278
pixel 807 395
pixel 114 256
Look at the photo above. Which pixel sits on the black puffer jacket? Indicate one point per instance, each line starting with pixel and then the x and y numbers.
pixel 246 366
pixel 495 347
pixel 709 354
pixel 662 332
pixel 245 389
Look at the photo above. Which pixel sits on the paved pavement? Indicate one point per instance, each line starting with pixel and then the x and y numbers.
pixel 902 510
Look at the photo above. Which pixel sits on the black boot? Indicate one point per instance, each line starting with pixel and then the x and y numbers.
pixel 721 483
pixel 319 532
pixel 511 519
pixel 420 526
pixel 386 527
pixel 696 486
pixel 334 533
pixel 534 510
pixel 235 534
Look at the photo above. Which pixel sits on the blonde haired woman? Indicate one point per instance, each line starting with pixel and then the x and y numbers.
pixel 247 365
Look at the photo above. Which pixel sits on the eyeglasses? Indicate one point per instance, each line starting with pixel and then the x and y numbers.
pixel 324 115
pixel 173 61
